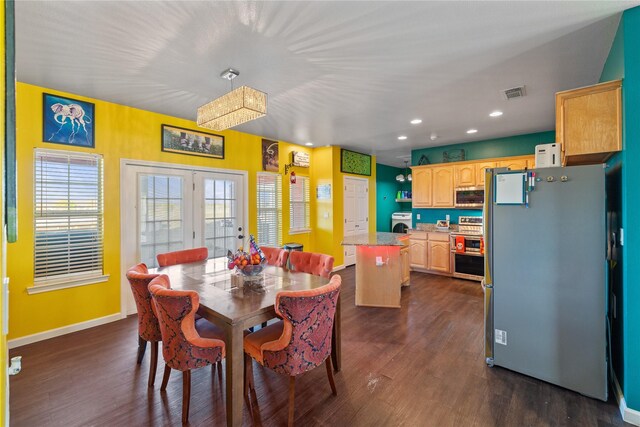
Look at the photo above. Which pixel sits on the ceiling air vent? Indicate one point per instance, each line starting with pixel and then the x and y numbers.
pixel 514 92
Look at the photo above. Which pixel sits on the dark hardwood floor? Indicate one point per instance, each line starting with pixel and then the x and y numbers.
pixel 422 365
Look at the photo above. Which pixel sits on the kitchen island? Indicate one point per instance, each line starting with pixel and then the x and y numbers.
pixel 382 267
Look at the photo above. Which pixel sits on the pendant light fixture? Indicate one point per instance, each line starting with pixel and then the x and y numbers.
pixel 239 106
pixel 406 176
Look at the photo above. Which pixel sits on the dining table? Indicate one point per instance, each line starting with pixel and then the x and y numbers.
pixel 236 303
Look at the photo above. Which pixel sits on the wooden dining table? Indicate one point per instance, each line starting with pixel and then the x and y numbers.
pixel 226 302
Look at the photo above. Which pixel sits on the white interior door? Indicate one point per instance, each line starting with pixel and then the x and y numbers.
pixel 166 209
pixel 356 213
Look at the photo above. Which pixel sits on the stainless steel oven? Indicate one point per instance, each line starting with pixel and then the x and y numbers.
pixel 467 249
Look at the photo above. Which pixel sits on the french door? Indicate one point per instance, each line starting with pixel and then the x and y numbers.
pixel 167 208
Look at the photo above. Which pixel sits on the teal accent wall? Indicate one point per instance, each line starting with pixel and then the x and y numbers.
pixel 518 145
pixel 631 207
pixel 386 190
pixel 614 69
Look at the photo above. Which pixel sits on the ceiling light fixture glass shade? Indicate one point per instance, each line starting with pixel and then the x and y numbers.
pixel 239 106
pixel 400 178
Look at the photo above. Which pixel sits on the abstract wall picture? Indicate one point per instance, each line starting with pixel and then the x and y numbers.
pixel 186 141
pixel 270 156
pixel 356 163
pixel 68 121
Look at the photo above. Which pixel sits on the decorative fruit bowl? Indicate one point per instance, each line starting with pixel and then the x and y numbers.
pixel 249 264
pixel 251 269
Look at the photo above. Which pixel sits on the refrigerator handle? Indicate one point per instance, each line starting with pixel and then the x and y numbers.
pixel 487 282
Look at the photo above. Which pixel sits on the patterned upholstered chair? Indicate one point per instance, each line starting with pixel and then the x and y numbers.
pixel 182 257
pixel 299 342
pixel 275 256
pixel 148 327
pixel 312 263
pixel 183 348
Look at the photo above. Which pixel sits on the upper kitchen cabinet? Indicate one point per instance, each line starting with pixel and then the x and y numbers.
pixel 589 123
pixel 481 169
pixel 465 175
pixel 514 164
pixel 443 187
pixel 421 191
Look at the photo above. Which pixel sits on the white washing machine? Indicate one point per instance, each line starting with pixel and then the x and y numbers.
pixel 401 221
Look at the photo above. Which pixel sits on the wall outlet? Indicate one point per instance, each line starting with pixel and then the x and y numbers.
pixel 447 217
pixel 379 261
pixel 418 216
pixel 621 236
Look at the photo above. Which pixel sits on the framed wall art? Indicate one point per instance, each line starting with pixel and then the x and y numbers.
pixel 355 163
pixel 68 121
pixel 270 161
pixel 195 143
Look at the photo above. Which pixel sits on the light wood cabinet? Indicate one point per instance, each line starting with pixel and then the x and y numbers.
pixel 465 175
pixel 443 187
pixel 589 123
pixel 481 168
pixel 421 187
pixel 405 261
pixel 418 253
pixel 439 256
pixel 515 164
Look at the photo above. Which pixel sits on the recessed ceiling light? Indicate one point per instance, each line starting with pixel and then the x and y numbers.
pixel 416 121
pixel 472 131
pixel 496 114
pixel 402 137
pixel 308 144
pixel 433 136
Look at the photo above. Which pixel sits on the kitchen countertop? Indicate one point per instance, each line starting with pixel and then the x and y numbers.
pixel 431 228
pixel 376 239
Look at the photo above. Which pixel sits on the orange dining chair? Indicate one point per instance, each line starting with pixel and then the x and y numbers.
pixel 275 256
pixel 312 263
pixel 182 257
pixel 183 347
pixel 148 327
pixel 301 341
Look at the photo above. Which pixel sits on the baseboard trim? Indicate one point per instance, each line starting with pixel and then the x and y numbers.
pixel 629 415
pixel 51 333
pixel 338 268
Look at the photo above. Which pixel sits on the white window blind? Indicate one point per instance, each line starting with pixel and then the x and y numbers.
pixel 299 202
pixel 269 209
pixel 68 216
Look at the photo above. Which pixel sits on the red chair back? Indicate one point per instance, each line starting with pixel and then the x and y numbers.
pixel 139 279
pixel 308 323
pixel 275 256
pixel 312 263
pixel 182 257
pixel 182 347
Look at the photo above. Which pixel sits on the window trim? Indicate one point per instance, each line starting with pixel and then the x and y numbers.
pixel 75 279
pixel 306 194
pixel 278 209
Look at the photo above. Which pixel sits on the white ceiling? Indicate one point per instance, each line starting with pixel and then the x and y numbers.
pixel 342 73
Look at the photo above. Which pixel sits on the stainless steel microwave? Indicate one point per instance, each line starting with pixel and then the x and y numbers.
pixel 470 197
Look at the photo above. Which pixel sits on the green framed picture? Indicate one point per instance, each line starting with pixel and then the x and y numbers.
pixel 355 163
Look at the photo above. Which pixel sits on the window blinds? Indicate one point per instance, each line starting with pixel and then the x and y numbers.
pixel 269 209
pixel 299 199
pixel 68 215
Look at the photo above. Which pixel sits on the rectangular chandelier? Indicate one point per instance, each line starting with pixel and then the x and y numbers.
pixel 236 107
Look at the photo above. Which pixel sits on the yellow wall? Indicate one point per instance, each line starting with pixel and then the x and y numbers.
pixel 125 132
pixel 120 132
pixel 3 338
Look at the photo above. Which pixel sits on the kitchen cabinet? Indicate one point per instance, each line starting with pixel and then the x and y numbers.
pixel 442 187
pixel 514 164
pixel 405 265
pixel 465 175
pixel 589 123
pixel 421 187
pixel 481 167
pixel 439 252
pixel 418 249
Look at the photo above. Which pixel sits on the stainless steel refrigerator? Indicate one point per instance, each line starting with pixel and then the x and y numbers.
pixel 545 287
